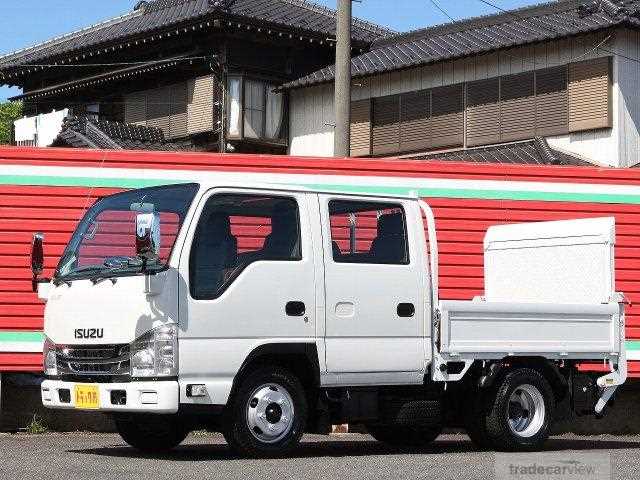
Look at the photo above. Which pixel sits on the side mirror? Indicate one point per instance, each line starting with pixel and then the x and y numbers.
pixel 147 233
pixel 37 258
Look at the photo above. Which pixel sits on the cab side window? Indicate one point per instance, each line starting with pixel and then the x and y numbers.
pixel 235 231
pixel 368 232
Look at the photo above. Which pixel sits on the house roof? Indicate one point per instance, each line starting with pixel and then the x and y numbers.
pixel 530 152
pixel 82 132
pixel 154 15
pixel 547 21
pixel 101 78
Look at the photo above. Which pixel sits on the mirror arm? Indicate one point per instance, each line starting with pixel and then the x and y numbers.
pixel 35 281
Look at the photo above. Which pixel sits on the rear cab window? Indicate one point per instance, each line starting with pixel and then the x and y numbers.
pixel 368 232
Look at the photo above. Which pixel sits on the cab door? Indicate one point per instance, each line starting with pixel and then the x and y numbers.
pixel 374 279
pixel 248 280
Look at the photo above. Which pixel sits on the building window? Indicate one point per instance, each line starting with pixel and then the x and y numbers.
pixel 255 110
pixel 179 110
pixel 235 107
pixel 553 101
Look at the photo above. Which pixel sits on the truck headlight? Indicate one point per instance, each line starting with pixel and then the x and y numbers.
pixel 155 354
pixel 50 363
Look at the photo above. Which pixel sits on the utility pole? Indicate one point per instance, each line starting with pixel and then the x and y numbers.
pixel 342 101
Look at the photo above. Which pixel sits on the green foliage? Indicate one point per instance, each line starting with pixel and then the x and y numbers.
pixel 9 111
pixel 36 427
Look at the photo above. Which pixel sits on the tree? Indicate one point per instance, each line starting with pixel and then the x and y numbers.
pixel 9 111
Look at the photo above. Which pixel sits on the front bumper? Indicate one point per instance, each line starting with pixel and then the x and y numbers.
pixel 142 397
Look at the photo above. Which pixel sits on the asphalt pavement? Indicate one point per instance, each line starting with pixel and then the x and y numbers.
pixel 81 456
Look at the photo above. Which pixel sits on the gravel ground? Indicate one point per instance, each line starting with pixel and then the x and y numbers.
pixel 81 456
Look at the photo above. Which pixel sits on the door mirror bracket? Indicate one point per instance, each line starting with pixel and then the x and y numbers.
pixel 37 261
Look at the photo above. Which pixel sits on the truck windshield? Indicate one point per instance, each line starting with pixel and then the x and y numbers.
pixel 104 242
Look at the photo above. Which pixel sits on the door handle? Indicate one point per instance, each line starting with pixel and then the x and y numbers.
pixel 406 310
pixel 295 309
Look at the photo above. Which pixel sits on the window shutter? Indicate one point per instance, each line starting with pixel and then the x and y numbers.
pixel 483 112
pixel 386 125
pixel 447 116
pixel 178 117
pixel 517 107
pixel 361 128
pixel 200 99
pixel 135 108
pixel 590 95
pixel 552 104
pixel 415 112
pixel 158 109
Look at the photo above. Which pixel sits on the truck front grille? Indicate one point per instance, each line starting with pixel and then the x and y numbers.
pixel 93 361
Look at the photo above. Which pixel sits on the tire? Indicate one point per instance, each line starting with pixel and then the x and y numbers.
pixel 476 422
pixel 267 415
pixel 519 414
pixel 151 433
pixel 404 436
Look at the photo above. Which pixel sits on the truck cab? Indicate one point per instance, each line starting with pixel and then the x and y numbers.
pixel 265 311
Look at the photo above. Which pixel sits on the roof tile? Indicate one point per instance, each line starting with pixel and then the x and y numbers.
pixel 531 152
pixel 484 34
pixel 160 14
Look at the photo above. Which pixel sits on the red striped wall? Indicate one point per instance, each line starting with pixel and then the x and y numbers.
pixel 461 223
pixel 23 211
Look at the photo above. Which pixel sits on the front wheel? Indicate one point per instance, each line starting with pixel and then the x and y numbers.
pixel 267 415
pixel 151 433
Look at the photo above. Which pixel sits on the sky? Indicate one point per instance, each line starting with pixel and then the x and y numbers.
pixel 27 22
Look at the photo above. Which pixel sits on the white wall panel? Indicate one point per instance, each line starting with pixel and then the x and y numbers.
pixel 627 115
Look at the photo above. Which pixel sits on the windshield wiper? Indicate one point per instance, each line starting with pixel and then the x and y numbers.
pixel 133 265
pixel 111 266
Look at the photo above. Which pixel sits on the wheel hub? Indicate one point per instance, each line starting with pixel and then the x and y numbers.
pixel 270 413
pixel 273 413
pixel 526 411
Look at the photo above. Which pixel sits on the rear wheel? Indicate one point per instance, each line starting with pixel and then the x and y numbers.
pixel 404 436
pixel 267 415
pixel 519 416
pixel 151 433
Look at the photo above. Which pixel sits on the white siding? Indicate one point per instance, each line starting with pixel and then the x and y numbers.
pixel 312 118
pixel 628 112
pixel 310 135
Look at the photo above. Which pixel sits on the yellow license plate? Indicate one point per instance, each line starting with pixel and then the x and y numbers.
pixel 87 397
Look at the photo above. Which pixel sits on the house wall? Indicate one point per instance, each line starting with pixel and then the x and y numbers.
pixel 628 112
pixel 312 115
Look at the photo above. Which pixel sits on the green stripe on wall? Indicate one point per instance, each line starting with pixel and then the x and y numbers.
pixel 633 345
pixel 484 194
pixel 37 337
pixel 58 181
pixel 26 337
pixel 50 180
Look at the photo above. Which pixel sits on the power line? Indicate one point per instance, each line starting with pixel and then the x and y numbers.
pixel 612 52
pixel 557 32
pixel 442 10
pixel 520 17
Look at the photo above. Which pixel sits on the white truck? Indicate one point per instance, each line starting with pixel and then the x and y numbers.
pixel 267 311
